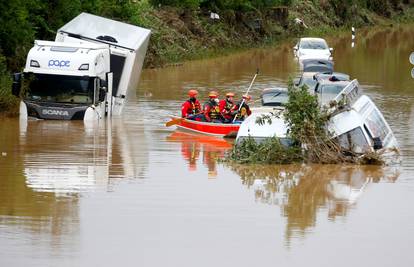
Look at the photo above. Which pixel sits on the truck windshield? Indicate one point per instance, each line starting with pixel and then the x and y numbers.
pixel 60 88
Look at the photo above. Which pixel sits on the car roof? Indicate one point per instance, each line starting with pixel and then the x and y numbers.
pixel 308 74
pixel 274 90
pixel 326 82
pixel 319 61
pixel 312 39
pixel 327 76
pixel 317 65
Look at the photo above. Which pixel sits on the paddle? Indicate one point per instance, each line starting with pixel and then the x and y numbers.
pixel 177 120
pixel 174 122
pixel 247 92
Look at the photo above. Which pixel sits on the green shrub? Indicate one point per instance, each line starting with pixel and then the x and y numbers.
pixel 270 151
pixel 177 3
pixel 8 103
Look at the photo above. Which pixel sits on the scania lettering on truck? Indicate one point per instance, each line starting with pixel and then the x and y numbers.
pixel 85 74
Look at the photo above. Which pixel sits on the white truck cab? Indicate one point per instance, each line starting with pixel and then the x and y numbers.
pixel 65 81
pixel 86 73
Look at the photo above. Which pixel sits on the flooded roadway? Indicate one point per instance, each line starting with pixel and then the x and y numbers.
pixel 134 193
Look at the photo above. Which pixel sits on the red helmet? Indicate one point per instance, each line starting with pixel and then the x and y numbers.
pixel 230 94
pixel 247 97
pixel 213 94
pixel 192 93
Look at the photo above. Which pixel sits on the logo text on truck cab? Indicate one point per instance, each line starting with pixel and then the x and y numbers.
pixel 59 63
pixel 55 112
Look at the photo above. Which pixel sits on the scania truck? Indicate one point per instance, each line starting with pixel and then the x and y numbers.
pixel 85 74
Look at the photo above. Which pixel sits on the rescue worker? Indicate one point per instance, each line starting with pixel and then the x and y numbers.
pixel 211 108
pixel 191 108
pixel 244 111
pixel 226 107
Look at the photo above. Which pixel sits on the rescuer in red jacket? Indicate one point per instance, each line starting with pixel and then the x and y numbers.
pixel 226 107
pixel 191 108
pixel 211 108
pixel 244 111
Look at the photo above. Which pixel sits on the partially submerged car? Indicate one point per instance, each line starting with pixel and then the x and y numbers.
pixel 361 127
pixel 312 48
pixel 273 101
pixel 328 89
pixel 356 123
pixel 316 70
pixel 317 65
pixel 311 79
pixel 310 67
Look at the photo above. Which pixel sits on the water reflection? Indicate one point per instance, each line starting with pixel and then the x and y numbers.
pixel 192 145
pixel 69 157
pixel 302 191
pixel 45 167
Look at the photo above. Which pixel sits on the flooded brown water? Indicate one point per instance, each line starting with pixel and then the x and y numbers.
pixel 135 193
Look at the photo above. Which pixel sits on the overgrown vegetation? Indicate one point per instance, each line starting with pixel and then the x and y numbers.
pixel 8 103
pixel 270 151
pixel 307 124
pixel 183 29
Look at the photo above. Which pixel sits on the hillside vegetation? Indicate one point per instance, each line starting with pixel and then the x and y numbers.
pixel 184 29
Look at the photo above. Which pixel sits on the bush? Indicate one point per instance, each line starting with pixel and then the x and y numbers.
pixel 270 151
pixel 237 5
pixel 8 103
pixel 177 3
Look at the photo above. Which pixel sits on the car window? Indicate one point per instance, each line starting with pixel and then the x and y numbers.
pixel 376 125
pixel 309 82
pixel 354 141
pixel 313 44
pixel 329 91
pixel 332 88
pixel 275 98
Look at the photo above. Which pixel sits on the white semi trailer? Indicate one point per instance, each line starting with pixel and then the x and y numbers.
pixel 85 73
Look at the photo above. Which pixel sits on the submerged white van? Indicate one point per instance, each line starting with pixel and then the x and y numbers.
pixel 359 125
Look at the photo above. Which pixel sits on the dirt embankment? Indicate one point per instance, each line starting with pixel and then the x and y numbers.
pixel 180 35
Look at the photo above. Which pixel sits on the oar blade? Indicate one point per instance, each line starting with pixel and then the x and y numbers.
pixel 173 122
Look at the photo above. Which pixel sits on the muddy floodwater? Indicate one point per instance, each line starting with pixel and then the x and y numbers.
pixel 132 192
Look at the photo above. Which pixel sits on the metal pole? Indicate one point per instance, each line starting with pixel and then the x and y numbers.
pixel 247 92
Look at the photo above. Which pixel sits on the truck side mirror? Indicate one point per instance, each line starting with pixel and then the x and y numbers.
pixel 331 49
pixel 377 143
pixel 102 94
pixel 17 84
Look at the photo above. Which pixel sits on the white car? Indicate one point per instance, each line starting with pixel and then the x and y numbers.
pixel 273 101
pixel 312 48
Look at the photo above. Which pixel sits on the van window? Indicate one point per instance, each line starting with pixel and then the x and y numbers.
pixel 354 141
pixel 376 125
